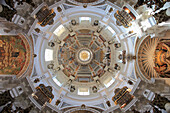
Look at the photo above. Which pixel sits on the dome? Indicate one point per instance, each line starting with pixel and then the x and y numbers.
pixel 87 56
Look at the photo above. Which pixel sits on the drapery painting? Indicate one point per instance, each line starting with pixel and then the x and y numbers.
pixel 14 54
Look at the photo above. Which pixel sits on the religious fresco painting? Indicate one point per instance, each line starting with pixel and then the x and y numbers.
pixel 162 58
pixel 14 54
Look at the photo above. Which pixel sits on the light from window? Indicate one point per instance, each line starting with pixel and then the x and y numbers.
pixel 111 30
pixel 48 55
pixel 109 81
pixel 83 91
pixel 56 81
pixel 59 30
pixel 85 19
pixel 146 24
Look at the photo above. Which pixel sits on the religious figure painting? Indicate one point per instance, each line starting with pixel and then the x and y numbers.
pixel 162 59
pixel 14 54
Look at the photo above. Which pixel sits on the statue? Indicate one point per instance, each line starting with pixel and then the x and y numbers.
pixel 6 97
pixel 7 13
pixel 159 101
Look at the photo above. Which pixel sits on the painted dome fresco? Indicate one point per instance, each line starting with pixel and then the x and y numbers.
pixel 84 56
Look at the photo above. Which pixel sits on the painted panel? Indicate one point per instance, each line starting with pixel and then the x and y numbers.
pixel 14 54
